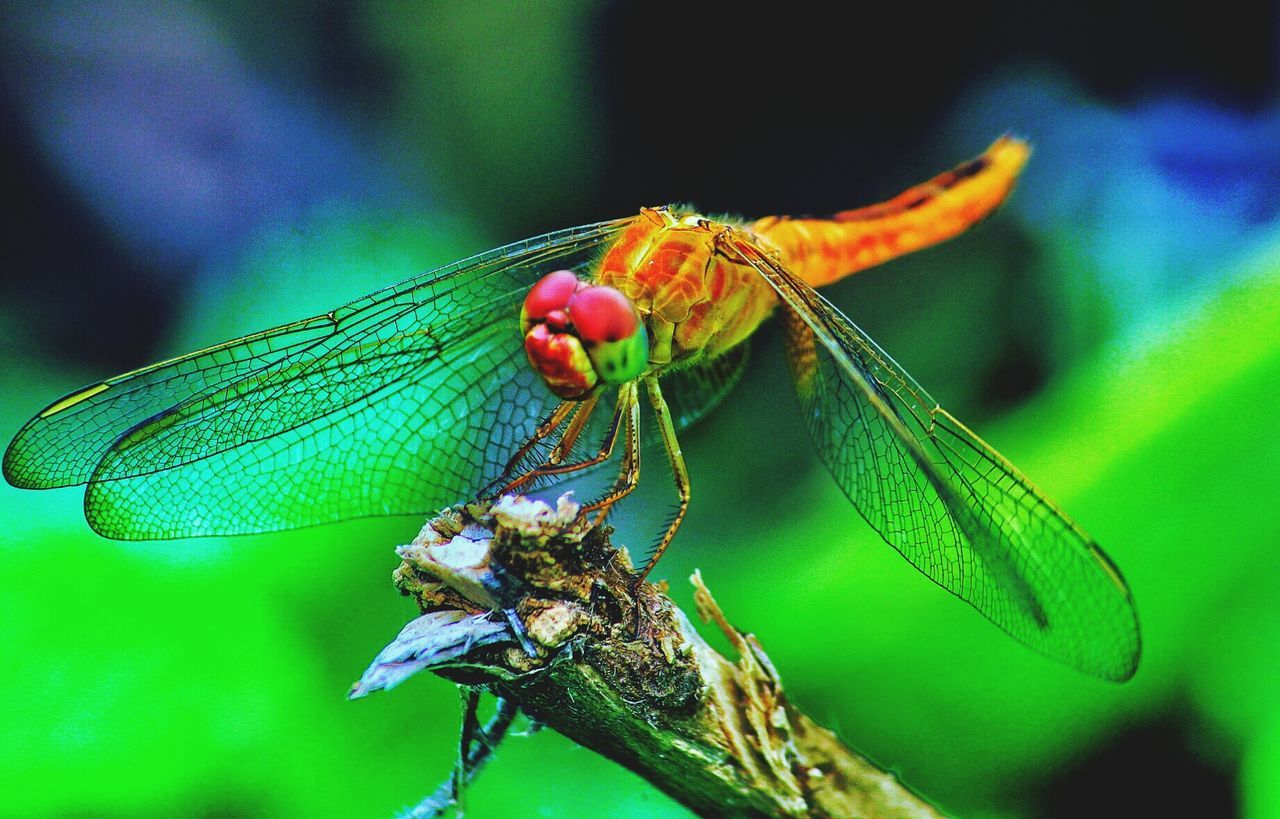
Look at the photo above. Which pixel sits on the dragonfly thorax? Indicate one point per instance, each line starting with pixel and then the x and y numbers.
pixel 579 336
pixel 698 298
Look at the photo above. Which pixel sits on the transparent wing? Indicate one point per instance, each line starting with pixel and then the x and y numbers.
pixel 399 402
pixel 942 497
pixel 693 391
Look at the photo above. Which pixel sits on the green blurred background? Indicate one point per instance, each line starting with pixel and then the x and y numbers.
pixel 181 173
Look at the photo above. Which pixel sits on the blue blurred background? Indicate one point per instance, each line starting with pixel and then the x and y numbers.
pixel 182 173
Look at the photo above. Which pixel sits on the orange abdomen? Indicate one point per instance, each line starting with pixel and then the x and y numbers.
pixel 821 251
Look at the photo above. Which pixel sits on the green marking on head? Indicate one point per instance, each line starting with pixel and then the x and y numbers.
pixel 611 330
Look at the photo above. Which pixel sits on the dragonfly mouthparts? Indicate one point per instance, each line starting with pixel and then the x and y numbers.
pixel 558 320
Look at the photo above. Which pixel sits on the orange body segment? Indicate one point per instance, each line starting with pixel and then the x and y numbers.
pixel 822 251
pixel 696 301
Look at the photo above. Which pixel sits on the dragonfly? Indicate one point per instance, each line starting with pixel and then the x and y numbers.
pixel 532 361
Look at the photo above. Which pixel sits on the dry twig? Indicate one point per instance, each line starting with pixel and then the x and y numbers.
pixel 536 606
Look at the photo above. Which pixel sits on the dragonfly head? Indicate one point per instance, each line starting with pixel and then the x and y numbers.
pixel 579 336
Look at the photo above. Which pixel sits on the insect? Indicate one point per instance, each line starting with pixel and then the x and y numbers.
pixel 422 393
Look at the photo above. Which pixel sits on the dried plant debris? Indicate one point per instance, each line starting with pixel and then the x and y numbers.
pixel 533 604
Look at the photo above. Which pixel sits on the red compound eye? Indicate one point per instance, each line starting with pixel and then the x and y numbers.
pixel 552 292
pixel 602 314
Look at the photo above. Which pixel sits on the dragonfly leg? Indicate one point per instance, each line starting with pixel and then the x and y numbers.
pixel 581 414
pixel 576 424
pixel 629 474
pixel 555 467
pixel 548 426
pixel 669 441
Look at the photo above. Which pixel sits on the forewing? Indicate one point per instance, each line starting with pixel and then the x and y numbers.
pixel 942 497
pixel 400 402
